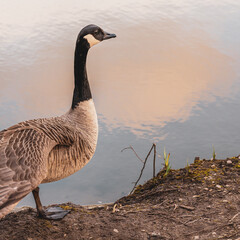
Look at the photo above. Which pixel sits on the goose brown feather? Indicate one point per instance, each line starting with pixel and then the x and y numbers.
pixel 23 154
pixel 44 150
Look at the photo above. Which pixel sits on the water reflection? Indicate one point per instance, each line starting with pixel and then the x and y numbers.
pixel 146 78
pixel 158 76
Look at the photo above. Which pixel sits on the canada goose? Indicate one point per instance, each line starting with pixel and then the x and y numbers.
pixel 46 150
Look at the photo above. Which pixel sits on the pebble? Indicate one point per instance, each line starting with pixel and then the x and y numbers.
pixel 180 199
pixel 213 166
pixel 225 201
pixel 155 234
pixel 214 234
pixel 218 186
pixel 115 230
pixel 208 207
pixel 206 188
pixel 196 196
pixel 229 162
pixel 196 237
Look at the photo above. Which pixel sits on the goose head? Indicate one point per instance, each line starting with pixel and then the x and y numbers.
pixel 92 35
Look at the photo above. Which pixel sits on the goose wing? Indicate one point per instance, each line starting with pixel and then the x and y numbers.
pixel 23 161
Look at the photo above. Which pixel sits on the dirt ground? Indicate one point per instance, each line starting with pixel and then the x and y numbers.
pixel 201 201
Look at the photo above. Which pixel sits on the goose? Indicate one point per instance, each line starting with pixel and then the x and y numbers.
pixel 49 149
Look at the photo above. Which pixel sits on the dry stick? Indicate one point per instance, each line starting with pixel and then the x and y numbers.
pixel 130 147
pixel 234 217
pixel 154 159
pixel 142 169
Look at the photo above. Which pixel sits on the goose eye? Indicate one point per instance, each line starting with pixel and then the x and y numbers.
pixel 96 32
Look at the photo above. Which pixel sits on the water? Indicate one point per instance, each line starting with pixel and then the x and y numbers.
pixel 170 77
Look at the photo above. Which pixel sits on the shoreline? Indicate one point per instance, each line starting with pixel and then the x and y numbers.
pixel 200 201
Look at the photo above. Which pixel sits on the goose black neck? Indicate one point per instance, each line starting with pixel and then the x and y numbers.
pixel 82 90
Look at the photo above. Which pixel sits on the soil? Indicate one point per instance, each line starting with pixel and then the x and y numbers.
pixel 201 201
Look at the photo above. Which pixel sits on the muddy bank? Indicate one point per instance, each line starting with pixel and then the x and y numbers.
pixel 201 201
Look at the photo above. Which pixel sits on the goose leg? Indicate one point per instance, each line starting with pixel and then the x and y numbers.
pixel 51 213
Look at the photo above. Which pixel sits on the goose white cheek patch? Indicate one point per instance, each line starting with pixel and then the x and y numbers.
pixel 91 40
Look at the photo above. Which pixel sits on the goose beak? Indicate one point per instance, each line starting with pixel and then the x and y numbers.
pixel 108 35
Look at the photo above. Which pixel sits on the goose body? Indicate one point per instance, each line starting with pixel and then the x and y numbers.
pixel 49 149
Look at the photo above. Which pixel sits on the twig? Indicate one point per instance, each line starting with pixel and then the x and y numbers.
pixel 189 222
pixel 130 147
pixel 234 217
pixel 187 207
pixel 154 159
pixel 142 169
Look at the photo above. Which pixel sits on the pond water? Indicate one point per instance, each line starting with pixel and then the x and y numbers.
pixel 170 77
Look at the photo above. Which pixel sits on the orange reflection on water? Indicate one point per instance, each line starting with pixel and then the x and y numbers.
pixel 154 76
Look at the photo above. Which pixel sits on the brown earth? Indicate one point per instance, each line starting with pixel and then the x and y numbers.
pixel 201 201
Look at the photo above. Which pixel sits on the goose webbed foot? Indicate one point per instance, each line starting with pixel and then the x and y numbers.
pixel 51 213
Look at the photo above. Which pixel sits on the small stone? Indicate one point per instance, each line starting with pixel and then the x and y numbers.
pixel 218 186
pixel 229 162
pixel 208 207
pixel 225 201
pixel 214 234
pixel 65 235
pixel 143 230
pixel 180 199
pixel 206 188
pixel 155 234
pixel 115 230
pixel 213 166
pixel 196 237
pixel 196 196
